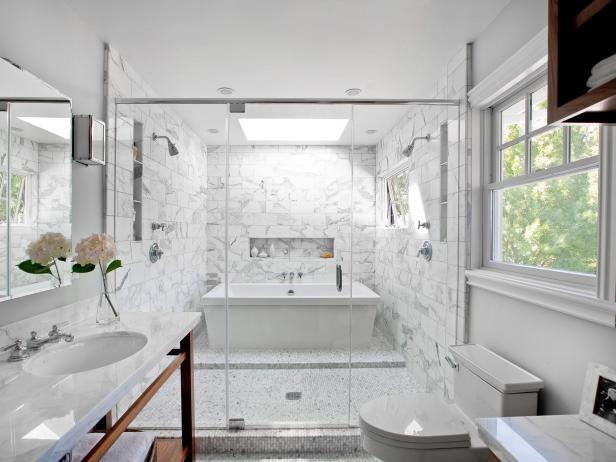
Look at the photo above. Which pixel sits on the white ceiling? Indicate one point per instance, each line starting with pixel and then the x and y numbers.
pixel 289 48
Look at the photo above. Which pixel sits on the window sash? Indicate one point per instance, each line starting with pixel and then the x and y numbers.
pixel 493 183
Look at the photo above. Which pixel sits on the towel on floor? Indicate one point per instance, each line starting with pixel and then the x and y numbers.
pixel 130 447
pixel 602 72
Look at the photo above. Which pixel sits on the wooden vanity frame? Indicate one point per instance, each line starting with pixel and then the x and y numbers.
pixel 166 449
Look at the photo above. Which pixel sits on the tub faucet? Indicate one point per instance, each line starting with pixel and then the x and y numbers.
pixel 282 276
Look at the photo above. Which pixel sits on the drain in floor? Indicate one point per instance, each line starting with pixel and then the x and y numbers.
pixel 294 395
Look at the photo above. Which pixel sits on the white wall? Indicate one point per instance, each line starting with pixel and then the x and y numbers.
pixel 50 41
pixel 513 27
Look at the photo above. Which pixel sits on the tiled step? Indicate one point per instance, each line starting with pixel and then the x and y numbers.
pixel 277 444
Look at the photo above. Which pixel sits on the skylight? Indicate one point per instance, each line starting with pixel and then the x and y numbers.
pixel 59 126
pixel 293 129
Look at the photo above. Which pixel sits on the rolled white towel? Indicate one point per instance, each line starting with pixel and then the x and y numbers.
pixel 130 447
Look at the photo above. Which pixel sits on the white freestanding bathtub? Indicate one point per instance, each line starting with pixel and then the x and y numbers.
pixel 268 316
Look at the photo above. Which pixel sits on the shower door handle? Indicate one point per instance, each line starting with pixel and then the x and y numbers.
pixel 339 278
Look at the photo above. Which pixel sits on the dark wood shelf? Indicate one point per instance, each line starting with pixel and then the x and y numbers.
pixel 580 35
pixel 596 106
pixel 589 12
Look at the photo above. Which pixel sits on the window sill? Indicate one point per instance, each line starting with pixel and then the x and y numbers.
pixel 561 298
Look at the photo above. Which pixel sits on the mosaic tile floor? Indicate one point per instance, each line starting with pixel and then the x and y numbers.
pixel 359 457
pixel 378 354
pixel 259 396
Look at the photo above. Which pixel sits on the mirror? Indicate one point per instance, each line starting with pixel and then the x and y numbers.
pixel 35 181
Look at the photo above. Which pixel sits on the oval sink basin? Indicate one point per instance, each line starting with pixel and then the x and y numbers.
pixel 86 353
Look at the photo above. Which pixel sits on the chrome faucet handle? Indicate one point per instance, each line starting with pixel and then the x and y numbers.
pixel 19 352
pixel 34 342
pixel 55 334
pixel 300 274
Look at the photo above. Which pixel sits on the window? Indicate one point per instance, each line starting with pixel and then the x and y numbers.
pixel 543 192
pixel 397 193
pixel 18 195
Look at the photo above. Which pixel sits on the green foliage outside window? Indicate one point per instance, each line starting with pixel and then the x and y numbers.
pixel 550 223
pixel 18 198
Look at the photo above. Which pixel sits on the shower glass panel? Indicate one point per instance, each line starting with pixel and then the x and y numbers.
pixel 289 253
pixel 415 317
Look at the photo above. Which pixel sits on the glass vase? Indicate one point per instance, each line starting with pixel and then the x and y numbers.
pixel 107 311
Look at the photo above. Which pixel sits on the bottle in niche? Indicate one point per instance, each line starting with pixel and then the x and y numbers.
pixel 272 250
pixel 254 251
pixel 263 253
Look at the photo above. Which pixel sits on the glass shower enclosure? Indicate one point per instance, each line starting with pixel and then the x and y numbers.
pixel 268 218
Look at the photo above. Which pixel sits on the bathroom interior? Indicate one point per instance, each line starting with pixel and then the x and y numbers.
pixel 262 252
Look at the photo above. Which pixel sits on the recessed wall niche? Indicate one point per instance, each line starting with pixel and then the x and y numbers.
pixel 291 248
pixel 137 181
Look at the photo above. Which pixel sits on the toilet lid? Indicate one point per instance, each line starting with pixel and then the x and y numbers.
pixel 415 418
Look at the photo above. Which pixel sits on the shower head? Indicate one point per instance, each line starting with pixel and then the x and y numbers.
pixel 409 149
pixel 173 150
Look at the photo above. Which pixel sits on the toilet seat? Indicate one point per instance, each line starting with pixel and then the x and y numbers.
pixel 414 421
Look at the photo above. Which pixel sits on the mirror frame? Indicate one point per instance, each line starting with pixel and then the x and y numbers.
pixel 48 95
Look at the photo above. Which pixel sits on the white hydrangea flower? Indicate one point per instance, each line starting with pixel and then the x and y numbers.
pixel 47 247
pixel 94 249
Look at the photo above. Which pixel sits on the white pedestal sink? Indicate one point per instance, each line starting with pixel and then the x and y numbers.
pixel 85 353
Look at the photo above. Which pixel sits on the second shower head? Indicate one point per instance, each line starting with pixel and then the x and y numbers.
pixel 409 149
pixel 173 150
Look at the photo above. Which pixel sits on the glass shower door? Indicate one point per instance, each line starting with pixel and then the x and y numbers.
pixel 289 252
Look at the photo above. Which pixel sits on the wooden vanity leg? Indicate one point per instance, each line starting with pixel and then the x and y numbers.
pixel 187 398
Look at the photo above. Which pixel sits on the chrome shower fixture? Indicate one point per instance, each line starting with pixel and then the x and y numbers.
pixel 409 149
pixel 173 150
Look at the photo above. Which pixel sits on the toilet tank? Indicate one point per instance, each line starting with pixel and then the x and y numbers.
pixel 488 385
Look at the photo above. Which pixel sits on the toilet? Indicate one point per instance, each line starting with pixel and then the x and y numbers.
pixel 424 427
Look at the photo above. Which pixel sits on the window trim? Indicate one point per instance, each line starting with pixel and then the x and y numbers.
pixel 584 283
pixel 397 169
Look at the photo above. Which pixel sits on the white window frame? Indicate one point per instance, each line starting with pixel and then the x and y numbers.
pixel 402 167
pixel 28 193
pixel 492 182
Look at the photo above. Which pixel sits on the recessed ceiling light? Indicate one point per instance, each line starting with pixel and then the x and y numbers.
pixel 293 129
pixel 212 130
pixel 371 131
pixel 59 126
pixel 226 91
pixel 353 91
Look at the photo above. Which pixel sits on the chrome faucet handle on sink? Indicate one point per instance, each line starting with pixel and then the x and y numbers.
pixel 19 351
pixel 55 334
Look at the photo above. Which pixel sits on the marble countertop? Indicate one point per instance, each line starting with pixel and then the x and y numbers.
pixel 41 418
pixel 552 438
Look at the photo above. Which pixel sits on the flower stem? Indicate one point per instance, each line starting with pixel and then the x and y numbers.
pixel 106 290
pixel 55 263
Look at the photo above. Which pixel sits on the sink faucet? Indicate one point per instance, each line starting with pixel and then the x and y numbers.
pixel 55 334
pixel 291 277
pixel 19 351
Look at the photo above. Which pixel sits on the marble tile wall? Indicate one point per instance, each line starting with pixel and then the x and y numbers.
pixel 174 192
pixel 424 303
pixel 291 192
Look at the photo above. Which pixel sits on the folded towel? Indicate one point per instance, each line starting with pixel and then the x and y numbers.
pixel 605 66
pixel 602 72
pixel 130 447
pixel 597 81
